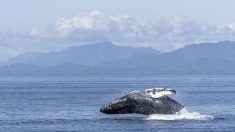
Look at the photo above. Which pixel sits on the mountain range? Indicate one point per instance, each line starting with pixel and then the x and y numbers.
pixel 108 58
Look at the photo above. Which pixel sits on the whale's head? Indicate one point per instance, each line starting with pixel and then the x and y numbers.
pixel 118 106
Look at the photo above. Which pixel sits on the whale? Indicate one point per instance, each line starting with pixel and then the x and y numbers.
pixel 147 102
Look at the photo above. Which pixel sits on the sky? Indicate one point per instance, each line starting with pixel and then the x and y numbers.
pixel 51 25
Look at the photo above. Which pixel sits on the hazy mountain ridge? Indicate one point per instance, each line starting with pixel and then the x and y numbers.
pixel 106 58
pixel 89 55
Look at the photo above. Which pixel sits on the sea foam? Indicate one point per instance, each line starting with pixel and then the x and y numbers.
pixel 184 114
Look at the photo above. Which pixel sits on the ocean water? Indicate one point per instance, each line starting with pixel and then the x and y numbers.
pixel 72 103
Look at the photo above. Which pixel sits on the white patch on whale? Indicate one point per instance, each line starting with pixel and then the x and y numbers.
pixel 181 115
pixel 159 92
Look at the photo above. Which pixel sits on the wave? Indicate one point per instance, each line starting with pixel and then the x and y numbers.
pixel 181 115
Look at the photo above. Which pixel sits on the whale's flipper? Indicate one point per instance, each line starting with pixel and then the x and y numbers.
pixel 159 92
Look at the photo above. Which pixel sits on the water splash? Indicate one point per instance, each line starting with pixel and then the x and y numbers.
pixel 182 115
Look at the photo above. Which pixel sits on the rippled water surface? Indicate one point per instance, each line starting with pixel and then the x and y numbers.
pixel 72 103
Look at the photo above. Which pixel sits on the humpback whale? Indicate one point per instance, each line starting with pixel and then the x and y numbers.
pixel 147 102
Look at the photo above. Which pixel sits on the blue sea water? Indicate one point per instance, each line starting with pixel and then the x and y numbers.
pixel 72 103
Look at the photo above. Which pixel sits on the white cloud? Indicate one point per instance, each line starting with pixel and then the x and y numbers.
pixel 165 34
pixel 95 26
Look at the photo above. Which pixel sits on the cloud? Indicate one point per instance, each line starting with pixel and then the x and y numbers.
pixel 165 34
pixel 95 26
